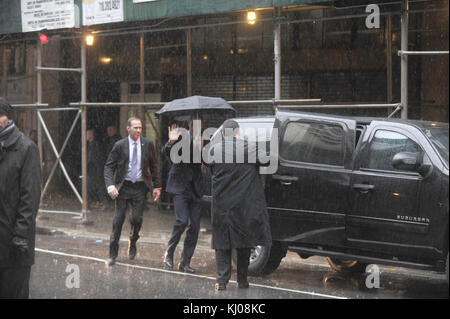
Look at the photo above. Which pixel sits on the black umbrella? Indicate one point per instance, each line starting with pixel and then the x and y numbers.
pixel 195 104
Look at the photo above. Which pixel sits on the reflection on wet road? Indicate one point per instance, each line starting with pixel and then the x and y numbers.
pixel 74 267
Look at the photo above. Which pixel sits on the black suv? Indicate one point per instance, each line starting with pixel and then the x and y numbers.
pixel 358 191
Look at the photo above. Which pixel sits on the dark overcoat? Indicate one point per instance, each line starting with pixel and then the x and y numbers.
pixel 184 178
pixel 95 165
pixel 239 211
pixel 20 192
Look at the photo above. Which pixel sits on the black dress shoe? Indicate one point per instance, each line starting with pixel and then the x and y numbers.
pixel 186 268
pixel 243 285
pixel 132 250
pixel 111 261
pixel 220 286
pixel 168 261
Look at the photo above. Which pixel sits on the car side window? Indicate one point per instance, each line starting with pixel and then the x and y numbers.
pixel 383 147
pixel 317 143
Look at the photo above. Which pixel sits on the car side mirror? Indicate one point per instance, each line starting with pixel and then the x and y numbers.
pixel 406 161
pixel 425 166
pixel 414 162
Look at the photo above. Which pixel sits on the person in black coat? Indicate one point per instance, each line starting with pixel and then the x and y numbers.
pixel 95 164
pixel 130 172
pixel 20 192
pixel 239 213
pixel 185 183
pixel 111 138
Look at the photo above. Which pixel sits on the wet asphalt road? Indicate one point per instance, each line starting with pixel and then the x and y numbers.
pixel 146 278
pixel 64 244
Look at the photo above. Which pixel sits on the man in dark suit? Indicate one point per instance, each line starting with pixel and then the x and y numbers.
pixel 129 173
pixel 185 183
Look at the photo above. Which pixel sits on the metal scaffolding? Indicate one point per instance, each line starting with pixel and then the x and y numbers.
pixel 82 106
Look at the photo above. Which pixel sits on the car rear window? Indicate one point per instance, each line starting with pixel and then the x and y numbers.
pixel 317 143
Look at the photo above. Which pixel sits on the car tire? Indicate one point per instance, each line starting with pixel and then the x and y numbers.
pixel 263 259
pixel 347 266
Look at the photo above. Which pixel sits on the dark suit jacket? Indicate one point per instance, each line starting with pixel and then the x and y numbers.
pixel 184 177
pixel 116 166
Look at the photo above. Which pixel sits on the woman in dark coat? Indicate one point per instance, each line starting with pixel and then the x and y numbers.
pixel 239 213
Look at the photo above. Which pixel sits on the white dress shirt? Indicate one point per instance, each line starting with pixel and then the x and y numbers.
pixel 139 169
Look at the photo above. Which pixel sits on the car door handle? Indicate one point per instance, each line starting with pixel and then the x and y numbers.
pixel 363 188
pixel 285 179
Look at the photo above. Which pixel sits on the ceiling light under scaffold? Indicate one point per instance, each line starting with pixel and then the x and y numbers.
pixel 251 17
pixel 89 40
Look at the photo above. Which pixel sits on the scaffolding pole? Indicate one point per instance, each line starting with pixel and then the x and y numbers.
pixel 83 134
pixel 277 56
pixel 342 106
pixel 404 60
pixel 39 97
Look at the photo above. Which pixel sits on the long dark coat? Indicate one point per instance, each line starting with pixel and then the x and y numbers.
pixel 239 212
pixel 20 192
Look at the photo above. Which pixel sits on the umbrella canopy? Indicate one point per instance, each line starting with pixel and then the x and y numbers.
pixel 194 104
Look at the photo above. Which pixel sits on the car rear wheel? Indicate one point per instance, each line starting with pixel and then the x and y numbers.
pixel 347 266
pixel 263 259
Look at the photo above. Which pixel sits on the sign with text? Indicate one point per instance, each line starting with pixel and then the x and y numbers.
pixel 47 14
pixel 102 11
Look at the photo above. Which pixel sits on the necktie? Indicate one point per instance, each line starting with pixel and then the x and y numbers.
pixel 134 169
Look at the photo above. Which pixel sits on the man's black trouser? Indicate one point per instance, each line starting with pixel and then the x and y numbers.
pixel 133 194
pixel 14 282
pixel 223 263
pixel 188 209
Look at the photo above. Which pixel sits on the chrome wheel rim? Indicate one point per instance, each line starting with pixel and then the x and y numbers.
pixel 255 253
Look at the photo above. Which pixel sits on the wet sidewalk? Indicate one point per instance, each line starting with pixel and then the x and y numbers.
pixel 156 228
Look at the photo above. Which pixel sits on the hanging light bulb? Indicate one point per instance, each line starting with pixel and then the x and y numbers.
pixel 89 40
pixel 251 17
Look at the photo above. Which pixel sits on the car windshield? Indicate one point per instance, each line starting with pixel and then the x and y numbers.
pixel 253 132
pixel 438 135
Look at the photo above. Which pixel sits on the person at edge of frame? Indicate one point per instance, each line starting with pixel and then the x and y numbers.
pixel 20 192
